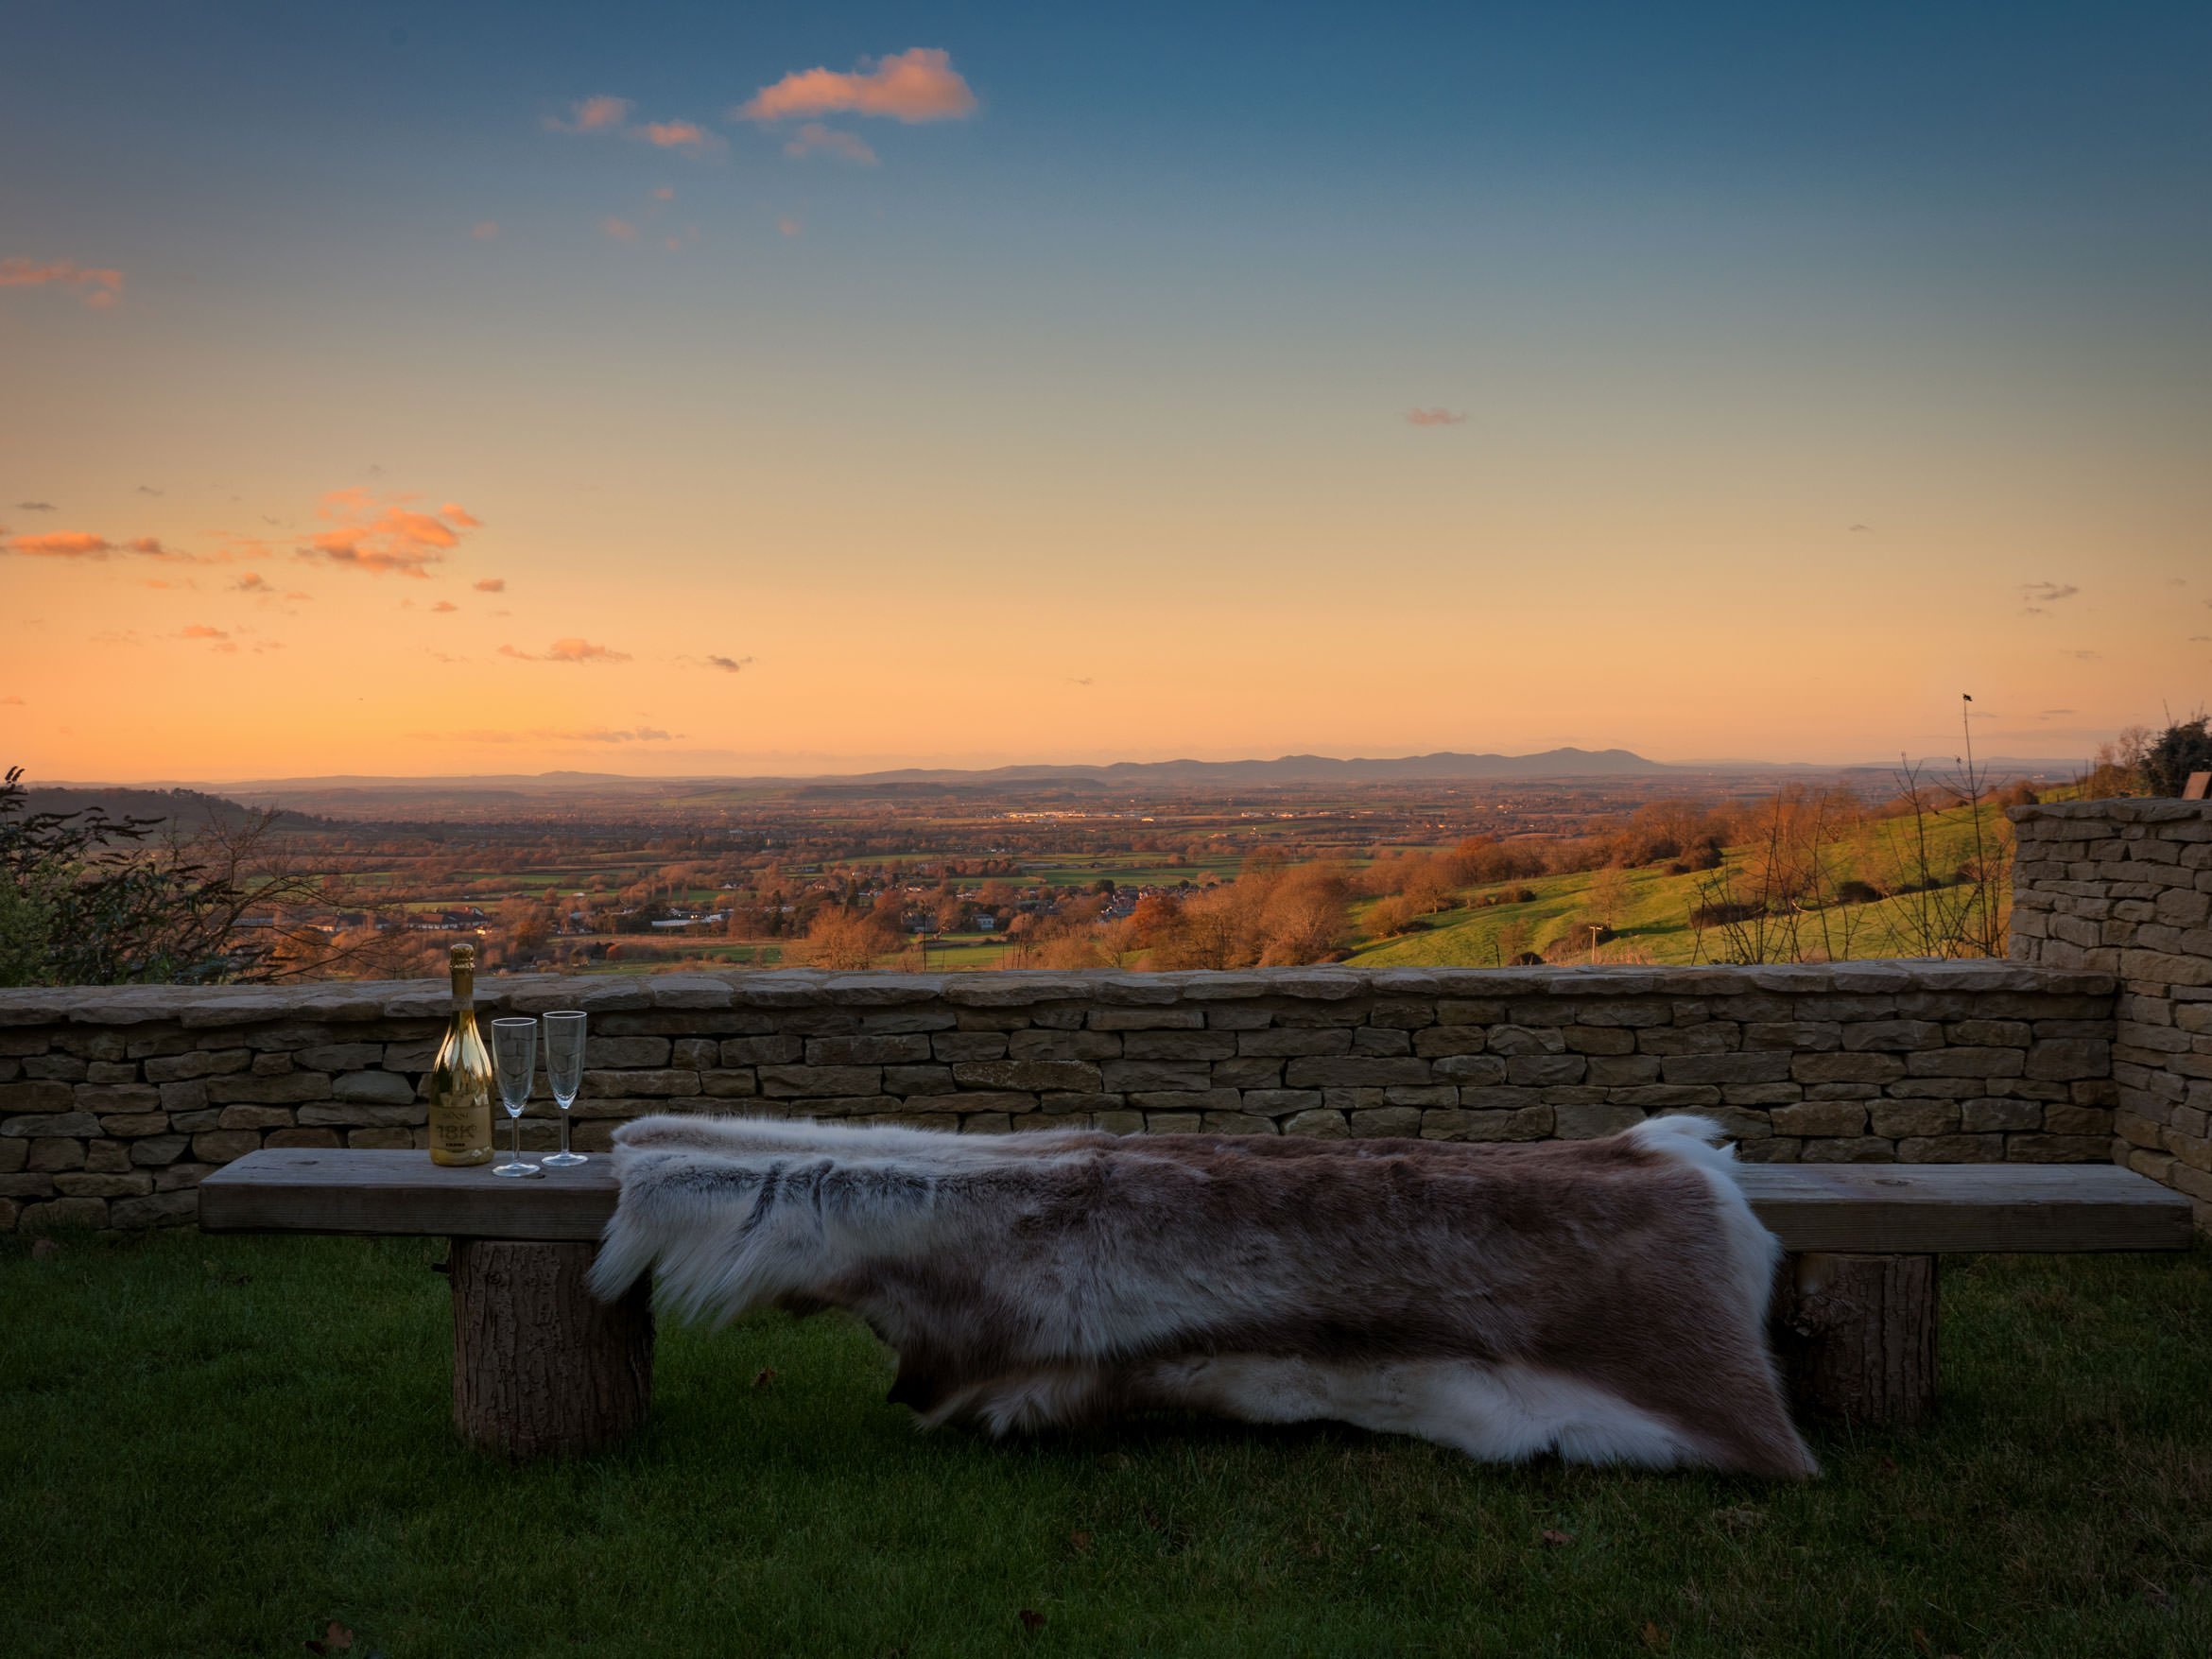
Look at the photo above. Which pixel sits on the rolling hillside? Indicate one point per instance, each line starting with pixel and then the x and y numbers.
pixel 1652 921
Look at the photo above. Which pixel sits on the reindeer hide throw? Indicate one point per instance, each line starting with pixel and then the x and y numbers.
pixel 1602 1299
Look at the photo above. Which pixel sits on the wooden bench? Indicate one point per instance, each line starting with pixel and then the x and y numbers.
pixel 540 1367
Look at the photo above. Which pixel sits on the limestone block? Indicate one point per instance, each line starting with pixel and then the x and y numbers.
pixel 1821 1118
pixel 906 1049
pixel 776 1050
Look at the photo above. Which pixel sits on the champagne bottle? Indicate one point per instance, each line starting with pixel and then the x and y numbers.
pixel 460 1079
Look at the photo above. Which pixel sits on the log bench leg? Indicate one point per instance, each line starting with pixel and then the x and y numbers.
pixel 540 1366
pixel 1856 1336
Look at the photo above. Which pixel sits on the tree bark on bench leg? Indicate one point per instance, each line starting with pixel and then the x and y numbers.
pixel 540 1367
pixel 1856 1336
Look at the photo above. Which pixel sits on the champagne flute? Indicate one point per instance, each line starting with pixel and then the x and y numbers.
pixel 514 1057
pixel 564 1059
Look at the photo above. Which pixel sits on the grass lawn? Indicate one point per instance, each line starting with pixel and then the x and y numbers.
pixel 216 1446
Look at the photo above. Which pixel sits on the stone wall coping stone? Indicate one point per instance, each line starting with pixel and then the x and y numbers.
pixel 2124 809
pixel 218 1006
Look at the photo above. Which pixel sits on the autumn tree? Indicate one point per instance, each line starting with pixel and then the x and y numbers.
pixel 842 939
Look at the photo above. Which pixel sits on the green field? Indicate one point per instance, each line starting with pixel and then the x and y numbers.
pixel 218 1445
pixel 1653 921
pixel 1077 869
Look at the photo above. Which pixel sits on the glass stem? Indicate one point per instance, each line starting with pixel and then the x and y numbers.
pixel 565 1131
pixel 514 1119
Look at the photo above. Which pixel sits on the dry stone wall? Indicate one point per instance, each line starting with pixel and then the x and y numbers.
pixel 113 1103
pixel 2125 887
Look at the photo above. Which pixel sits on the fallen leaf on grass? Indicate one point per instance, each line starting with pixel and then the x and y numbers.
pixel 1031 1619
pixel 1554 1537
pixel 335 1639
pixel 1082 1542
pixel 1654 1637
pixel 44 1250
pixel 764 1377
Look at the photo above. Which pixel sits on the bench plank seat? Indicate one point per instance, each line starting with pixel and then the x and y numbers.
pixel 1898 1209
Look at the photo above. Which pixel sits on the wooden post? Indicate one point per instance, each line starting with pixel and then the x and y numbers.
pixel 540 1366
pixel 1856 1336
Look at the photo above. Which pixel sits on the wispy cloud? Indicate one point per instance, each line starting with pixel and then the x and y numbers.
pixel 386 535
pixel 816 139
pixel 147 490
pixel 593 115
pixel 1432 418
pixel 2082 656
pixel 788 226
pixel 98 286
pixel 730 664
pixel 251 582
pixel 597 735
pixel 34 507
pixel 2053 714
pixel 201 630
pixel 688 137
pixel 2046 592
pixel 568 651
pixel 604 114
pixel 485 230
pixel 665 193
pixel 442 607
pixel 1862 530
pixel 621 230
pixel 919 84
pixel 85 544
pixel 491 584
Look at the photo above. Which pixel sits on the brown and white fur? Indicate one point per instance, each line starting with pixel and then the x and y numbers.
pixel 1602 1299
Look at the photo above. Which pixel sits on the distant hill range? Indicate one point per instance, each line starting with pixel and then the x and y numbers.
pixel 358 797
pixel 1288 769
pixel 190 810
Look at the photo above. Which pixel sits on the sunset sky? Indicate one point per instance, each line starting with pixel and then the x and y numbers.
pixel 405 389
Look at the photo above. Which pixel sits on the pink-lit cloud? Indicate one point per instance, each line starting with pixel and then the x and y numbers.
pixel 568 651
pixel 815 139
pixel 688 137
pixel 789 226
pixel 730 664
pixel 380 536
pixel 442 607
pixel 201 630
pixel 251 582
pixel 919 84
pixel 98 286
pixel 485 230
pixel 610 115
pixel 621 230
pixel 595 115
pixel 491 584
pixel 665 193
pixel 1432 418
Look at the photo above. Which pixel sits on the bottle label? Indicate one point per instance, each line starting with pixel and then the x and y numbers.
pixel 460 1118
